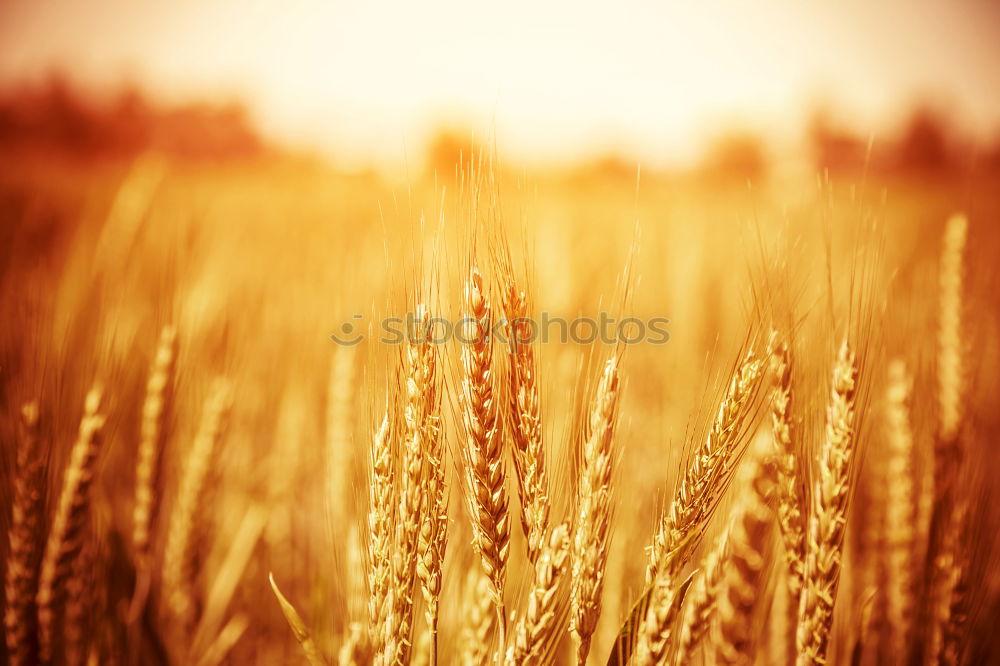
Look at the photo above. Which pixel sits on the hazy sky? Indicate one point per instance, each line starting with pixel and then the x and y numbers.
pixel 366 79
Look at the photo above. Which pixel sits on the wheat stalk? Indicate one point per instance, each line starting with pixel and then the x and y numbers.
pixel 534 629
pixel 526 424
pixel 22 544
pixel 828 518
pixel 180 553
pixel 151 433
pixel 591 531
pixel 486 492
pixel 66 532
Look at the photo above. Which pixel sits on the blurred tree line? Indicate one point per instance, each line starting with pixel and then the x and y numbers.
pixel 58 117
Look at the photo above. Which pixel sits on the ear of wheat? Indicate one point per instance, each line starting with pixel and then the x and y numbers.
pixel 592 527
pixel 706 477
pixel 433 537
pixel 789 513
pixel 901 515
pixel 828 518
pixel 380 530
pixel 526 424
pixel 151 433
pixel 951 373
pixel 67 530
pixel 486 492
pixel 23 552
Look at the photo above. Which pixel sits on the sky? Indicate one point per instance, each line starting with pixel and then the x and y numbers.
pixel 367 81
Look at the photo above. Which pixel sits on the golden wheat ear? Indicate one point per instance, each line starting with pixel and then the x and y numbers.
pixel 484 468
pixel 592 526
pixel 67 530
pixel 23 547
pixel 789 503
pixel 828 518
pixel 524 416
pixel 380 526
pixel 707 475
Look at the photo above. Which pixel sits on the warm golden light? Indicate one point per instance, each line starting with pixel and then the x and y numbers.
pixel 649 333
pixel 367 81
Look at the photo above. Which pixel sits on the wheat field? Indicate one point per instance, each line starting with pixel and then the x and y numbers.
pixel 194 471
